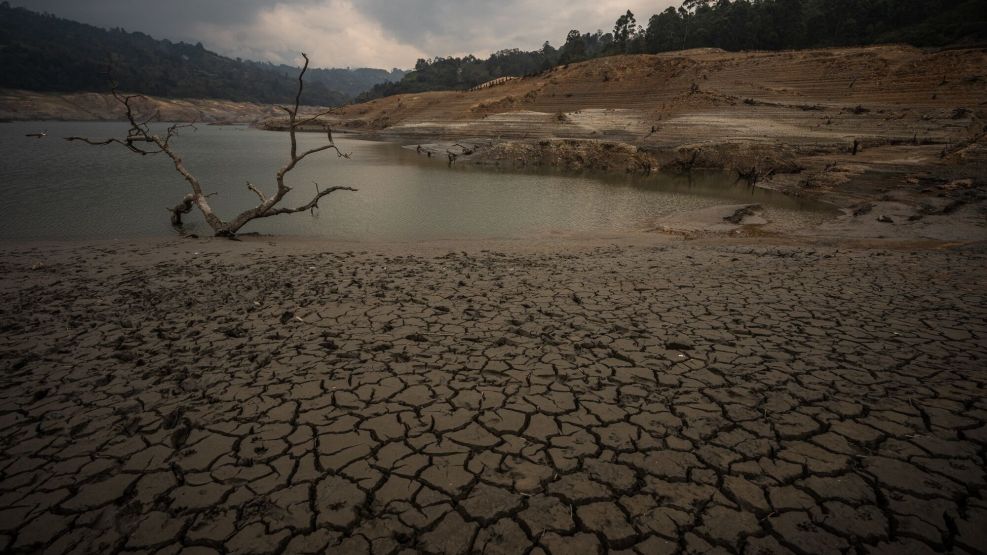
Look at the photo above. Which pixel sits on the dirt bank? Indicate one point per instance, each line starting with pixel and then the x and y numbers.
pixel 31 106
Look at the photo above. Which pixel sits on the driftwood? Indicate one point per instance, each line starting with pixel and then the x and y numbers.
pixel 140 140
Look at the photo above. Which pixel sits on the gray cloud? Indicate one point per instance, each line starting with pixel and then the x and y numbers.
pixel 446 27
pixel 150 16
pixel 381 33
pixel 413 20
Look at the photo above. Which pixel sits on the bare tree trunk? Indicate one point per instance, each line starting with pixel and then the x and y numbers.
pixel 141 141
pixel 183 207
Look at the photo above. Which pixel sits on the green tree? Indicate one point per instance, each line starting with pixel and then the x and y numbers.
pixel 574 49
pixel 625 32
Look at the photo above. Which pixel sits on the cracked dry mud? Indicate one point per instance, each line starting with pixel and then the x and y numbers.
pixel 632 399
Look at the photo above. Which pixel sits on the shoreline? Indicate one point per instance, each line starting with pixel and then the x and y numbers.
pixel 301 244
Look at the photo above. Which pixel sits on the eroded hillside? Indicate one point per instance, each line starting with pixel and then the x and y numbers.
pixel 857 126
pixel 804 97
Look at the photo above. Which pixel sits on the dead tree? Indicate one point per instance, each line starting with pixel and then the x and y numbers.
pixel 140 140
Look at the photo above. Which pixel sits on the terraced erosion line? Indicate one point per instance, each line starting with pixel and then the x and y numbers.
pixel 806 97
pixel 661 397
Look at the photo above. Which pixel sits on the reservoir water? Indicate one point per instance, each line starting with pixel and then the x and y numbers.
pixel 54 189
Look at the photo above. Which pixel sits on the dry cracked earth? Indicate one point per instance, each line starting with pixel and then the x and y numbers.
pixel 676 398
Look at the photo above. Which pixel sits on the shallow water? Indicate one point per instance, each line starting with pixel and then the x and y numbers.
pixel 54 189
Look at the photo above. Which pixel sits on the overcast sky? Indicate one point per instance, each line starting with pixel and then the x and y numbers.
pixel 354 33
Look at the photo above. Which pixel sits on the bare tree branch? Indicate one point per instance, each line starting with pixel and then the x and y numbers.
pixel 294 112
pixel 314 203
pixel 140 133
pixel 257 192
pixel 301 83
pixel 315 117
pixel 128 142
pixel 173 130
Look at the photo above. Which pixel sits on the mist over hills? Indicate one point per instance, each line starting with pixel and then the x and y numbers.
pixel 42 52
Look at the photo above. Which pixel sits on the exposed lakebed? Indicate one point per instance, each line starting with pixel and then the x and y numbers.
pixel 60 190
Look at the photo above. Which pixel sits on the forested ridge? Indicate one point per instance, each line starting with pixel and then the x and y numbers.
pixel 41 52
pixel 728 24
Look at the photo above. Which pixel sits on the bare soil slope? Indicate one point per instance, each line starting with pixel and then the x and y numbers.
pixel 811 96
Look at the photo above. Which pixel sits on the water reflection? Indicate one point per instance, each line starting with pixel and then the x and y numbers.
pixel 61 190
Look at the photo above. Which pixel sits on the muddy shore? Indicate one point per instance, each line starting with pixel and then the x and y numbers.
pixel 641 393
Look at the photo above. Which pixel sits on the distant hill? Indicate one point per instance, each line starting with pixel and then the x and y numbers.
pixel 350 82
pixel 41 52
pixel 732 25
